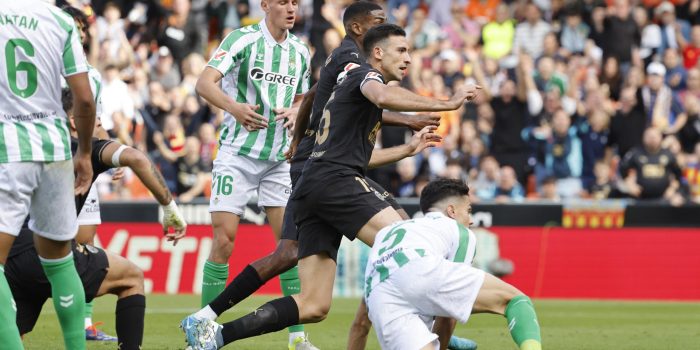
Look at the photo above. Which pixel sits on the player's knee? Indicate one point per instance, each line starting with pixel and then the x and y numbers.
pixel 317 312
pixel 222 246
pixel 135 280
pixel 362 324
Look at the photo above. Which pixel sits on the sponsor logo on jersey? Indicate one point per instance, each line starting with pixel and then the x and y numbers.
pixel 271 77
pixel 220 54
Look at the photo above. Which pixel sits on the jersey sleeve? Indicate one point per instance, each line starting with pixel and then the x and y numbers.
pixel 305 82
pixel 347 61
pixel 227 55
pixel 372 75
pixel 73 57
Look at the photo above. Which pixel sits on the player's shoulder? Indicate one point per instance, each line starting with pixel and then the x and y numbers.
pixel 60 17
pixel 241 35
pixel 364 72
pixel 299 45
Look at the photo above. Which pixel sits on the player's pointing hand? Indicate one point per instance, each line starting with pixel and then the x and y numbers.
pixel 467 93
pixel 423 139
pixel 246 115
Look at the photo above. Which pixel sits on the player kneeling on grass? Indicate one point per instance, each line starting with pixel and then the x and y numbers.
pixel 421 269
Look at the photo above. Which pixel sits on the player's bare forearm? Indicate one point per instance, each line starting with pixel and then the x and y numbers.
pixel 401 100
pixel 83 110
pixel 207 86
pixel 412 121
pixel 142 167
pixel 388 155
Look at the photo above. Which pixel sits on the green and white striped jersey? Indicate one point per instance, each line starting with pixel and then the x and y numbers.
pixel 40 44
pixel 259 71
pixel 434 235
pixel 96 87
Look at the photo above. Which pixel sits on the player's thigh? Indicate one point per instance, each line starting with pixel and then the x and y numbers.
pixel 234 180
pixel 17 184
pixel 52 210
pixel 494 295
pixel 317 276
pixel 383 218
pixel 275 185
pixel 122 275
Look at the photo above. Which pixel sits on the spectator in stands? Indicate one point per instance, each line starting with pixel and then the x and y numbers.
pixel 508 189
pixel 165 72
pixel 406 169
pixel 454 170
pixel 673 30
pixel 663 107
pixel 651 172
pixel 423 34
pixel 628 124
pixel 117 106
pixel 487 179
pixel 546 77
pixel 611 77
pixel 593 133
pixel 621 36
pixel 650 35
pixel 170 145
pixel 207 137
pixel 460 30
pixel 529 35
pixel 548 190
pixel 179 32
pixel 482 11
pixel 512 110
pixel 690 50
pixel 691 175
pixel 689 135
pixel 676 75
pixel 603 187
pixel 498 35
pixel 191 173
pixel 574 33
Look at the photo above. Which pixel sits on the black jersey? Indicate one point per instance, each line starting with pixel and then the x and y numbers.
pixel 344 58
pixel 348 128
pixel 24 240
pixel 654 170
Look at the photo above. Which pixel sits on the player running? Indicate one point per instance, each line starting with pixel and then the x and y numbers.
pixel 421 268
pixel 332 197
pixel 42 45
pixel 101 272
pixel 264 70
pixel 357 18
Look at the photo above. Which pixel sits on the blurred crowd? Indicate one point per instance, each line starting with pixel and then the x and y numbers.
pixel 581 98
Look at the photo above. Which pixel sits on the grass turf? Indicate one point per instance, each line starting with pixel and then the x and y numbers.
pixel 569 325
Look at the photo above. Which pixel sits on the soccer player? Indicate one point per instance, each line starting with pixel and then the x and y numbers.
pixel 332 196
pixel 41 44
pixel 421 268
pixel 89 215
pixel 101 272
pixel 264 69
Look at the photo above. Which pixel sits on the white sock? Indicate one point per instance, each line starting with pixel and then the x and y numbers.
pixel 88 322
pixel 206 313
pixel 294 335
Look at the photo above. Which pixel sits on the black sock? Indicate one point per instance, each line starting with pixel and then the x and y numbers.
pixel 130 313
pixel 245 284
pixel 271 317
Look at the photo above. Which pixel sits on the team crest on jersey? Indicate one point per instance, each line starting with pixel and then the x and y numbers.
pixel 259 57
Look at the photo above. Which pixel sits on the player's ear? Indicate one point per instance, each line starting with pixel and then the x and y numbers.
pixel 265 5
pixel 356 28
pixel 451 211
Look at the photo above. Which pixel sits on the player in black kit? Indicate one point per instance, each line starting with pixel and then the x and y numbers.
pixel 332 197
pixel 101 272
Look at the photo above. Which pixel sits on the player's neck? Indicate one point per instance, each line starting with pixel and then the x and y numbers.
pixel 279 34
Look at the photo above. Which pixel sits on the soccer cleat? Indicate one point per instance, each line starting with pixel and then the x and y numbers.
pixel 457 343
pixel 94 334
pixel 200 333
pixel 302 343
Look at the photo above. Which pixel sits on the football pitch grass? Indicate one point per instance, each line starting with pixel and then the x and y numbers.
pixel 566 324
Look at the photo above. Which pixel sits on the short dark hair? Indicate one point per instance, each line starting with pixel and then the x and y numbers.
pixel 440 189
pixel 357 10
pixel 67 99
pixel 78 16
pixel 379 33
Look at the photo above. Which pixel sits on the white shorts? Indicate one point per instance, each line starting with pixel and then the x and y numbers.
pixel 402 307
pixel 236 178
pixel 90 213
pixel 42 190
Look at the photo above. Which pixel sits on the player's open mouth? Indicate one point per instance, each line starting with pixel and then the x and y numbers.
pixel 290 18
pixel 403 70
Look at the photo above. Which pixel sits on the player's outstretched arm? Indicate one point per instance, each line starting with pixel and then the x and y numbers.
pixel 116 154
pixel 413 121
pixel 399 99
pixel 84 116
pixel 419 141
pixel 208 87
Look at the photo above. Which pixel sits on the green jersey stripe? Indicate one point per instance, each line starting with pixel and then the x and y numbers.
pixel 223 133
pixel 461 253
pixel 253 136
pixel 46 143
pixel 401 259
pixel 3 146
pixel 68 57
pixel 383 272
pixel 272 97
pixel 25 145
pixel 288 97
pixel 62 127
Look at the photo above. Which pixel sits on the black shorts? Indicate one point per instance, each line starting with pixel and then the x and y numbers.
pixel 289 229
pixel 326 210
pixel 30 288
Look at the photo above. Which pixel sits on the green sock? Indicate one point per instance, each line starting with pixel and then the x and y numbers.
pixel 68 299
pixel 522 322
pixel 213 281
pixel 289 280
pixel 8 315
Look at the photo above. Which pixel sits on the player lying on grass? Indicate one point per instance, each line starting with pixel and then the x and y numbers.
pixel 333 198
pixel 419 269
pixel 358 18
pixel 100 271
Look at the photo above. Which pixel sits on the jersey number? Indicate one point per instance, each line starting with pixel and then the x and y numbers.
pixel 222 184
pixel 325 124
pixel 397 233
pixel 13 67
